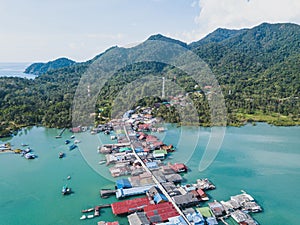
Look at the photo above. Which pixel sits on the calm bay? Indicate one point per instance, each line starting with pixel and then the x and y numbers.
pixel 14 69
pixel 263 160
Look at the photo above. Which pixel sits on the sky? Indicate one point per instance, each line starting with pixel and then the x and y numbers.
pixel 43 30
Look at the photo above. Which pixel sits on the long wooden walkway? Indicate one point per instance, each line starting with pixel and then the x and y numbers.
pixel 157 182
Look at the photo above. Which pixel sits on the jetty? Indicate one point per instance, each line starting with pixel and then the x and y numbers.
pixel 159 185
pixel 164 199
pixel 97 207
pixel 105 193
pixel 61 133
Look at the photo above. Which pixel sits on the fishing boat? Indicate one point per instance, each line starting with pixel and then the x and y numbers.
pixel 102 161
pixel 65 190
pixel 61 155
pixel 87 210
pixel 67 142
pixel 27 150
pixel 83 217
pixel 30 155
pixel 72 147
pixel 68 177
pixel 90 216
pixel 76 141
pixel 73 136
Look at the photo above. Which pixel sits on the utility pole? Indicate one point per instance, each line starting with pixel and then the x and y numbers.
pixel 163 89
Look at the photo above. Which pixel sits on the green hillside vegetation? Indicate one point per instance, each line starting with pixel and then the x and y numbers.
pixel 42 68
pixel 258 70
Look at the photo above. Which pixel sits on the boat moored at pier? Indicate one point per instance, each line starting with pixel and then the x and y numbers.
pixel 72 147
pixel 30 155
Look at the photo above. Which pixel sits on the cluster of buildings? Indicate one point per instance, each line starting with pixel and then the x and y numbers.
pixel 162 198
pixel 156 208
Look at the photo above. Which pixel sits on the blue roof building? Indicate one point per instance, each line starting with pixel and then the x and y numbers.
pixel 123 183
pixel 152 165
pixel 159 197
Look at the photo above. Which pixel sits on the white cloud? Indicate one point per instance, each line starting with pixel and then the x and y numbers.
pixel 194 4
pixel 236 14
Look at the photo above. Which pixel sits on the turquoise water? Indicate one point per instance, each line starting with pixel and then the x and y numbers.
pixel 262 160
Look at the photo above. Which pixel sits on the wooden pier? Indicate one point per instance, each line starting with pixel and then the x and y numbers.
pixel 104 206
pixel 105 193
pixel 60 134
pixel 157 182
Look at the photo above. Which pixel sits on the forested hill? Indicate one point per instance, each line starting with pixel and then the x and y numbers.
pixel 259 67
pixel 217 36
pixel 258 70
pixel 42 68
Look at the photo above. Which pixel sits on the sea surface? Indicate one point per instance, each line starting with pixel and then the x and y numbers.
pixel 15 70
pixel 262 160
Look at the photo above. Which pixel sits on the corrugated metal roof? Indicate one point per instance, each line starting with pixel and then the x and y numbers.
pixel 131 205
pixel 159 197
pixel 187 199
pixel 151 165
pixel 132 191
pixel 201 192
pixel 160 212
pixel 138 218
pixel 112 223
pixel 123 183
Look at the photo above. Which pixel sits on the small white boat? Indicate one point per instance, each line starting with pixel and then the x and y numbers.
pixel 90 216
pixel 113 137
pixel 68 177
pixel 76 141
pixel 73 136
pixel 61 155
pixel 29 155
pixel 102 162
pixel 27 150
pixel 83 217
pixel 66 190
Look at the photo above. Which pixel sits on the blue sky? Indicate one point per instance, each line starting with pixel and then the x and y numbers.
pixel 42 30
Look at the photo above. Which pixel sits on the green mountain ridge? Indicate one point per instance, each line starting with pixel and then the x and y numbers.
pixel 216 36
pixel 257 69
pixel 41 68
pixel 160 37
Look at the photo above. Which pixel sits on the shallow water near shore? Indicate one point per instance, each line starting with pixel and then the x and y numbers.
pixel 15 70
pixel 263 160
